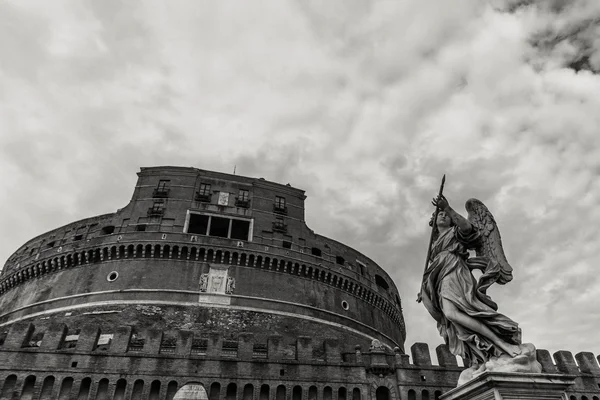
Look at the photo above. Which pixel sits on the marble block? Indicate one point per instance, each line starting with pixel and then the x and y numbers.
pixel 512 386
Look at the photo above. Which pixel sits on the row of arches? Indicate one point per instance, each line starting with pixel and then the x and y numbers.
pixel 69 388
pixel 573 397
pixel 202 254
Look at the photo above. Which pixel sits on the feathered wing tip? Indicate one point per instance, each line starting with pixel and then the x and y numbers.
pixel 491 244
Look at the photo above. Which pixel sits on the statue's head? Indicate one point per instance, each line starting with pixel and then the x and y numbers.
pixel 443 221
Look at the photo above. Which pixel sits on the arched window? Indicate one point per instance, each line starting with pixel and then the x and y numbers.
pixel 154 390
pixel 356 394
pixel 248 392
pixel 65 389
pixel 27 393
pixel 572 398
pixel 412 395
pixel 84 389
pixel 381 282
pixel 584 398
pixel 327 393
pixel 8 387
pixel 342 393
pixel 280 393
pixel 120 390
pixel 172 387
pixel 297 393
pixel 595 398
pixel 382 393
pixel 47 386
pixel 231 393
pixel 264 392
pixel 437 394
pixel 138 389
pixel 102 393
pixel 425 395
pixel 215 391
pixel 312 393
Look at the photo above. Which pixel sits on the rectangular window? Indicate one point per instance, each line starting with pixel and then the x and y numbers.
pixel 204 189
pixel 279 225
pixel 157 209
pixel 140 227
pixel 163 184
pixel 240 229
pixel 219 227
pixel 243 199
pixel 286 244
pixel 212 225
pixel 279 202
pixel 279 206
pixel 162 189
pixel 198 224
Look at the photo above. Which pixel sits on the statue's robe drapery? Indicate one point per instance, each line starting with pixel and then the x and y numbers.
pixel 449 276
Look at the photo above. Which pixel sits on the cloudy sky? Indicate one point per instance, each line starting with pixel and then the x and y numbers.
pixel 363 104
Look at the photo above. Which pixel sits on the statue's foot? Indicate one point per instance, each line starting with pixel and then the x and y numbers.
pixel 511 349
pixel 514 350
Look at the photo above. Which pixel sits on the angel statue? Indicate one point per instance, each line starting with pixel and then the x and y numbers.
pixel 466 316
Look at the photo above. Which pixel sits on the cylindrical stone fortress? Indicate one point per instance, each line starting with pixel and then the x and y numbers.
pixel 203 251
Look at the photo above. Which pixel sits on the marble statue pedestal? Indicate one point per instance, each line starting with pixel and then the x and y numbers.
pixel 510 385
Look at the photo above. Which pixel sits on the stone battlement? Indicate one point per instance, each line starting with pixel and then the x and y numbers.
pixel 124 340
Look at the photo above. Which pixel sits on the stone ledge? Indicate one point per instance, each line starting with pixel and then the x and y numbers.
pixel 506 385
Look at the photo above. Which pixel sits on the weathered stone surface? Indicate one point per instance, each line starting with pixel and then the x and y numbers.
pixel 510 386
pixel 525 363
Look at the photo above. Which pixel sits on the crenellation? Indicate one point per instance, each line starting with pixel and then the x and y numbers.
pixel 245 346
pixel 400 359
pixel 420 354
pixel 565 362
pixel 275 347
pixel 587 363
pixel 445 357
pixel 88 338
pixel 332 351
pixel 544 358
pixel 18 335
pixel 153 341
pixel 121 338
pixel 215 345
pixel 54 337
pixel 304 348
pixel 183 345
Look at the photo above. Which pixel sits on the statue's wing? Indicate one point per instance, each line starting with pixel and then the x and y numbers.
pixel 490 244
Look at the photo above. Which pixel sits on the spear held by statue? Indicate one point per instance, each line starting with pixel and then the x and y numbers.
pixel 437 210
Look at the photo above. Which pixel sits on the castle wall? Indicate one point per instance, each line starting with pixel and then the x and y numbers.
pixel 283 266
pixel 239 368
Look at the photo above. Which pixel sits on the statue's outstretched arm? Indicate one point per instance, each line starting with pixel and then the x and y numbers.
pixel 463 224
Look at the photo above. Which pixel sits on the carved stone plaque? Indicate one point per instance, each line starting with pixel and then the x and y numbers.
pixel 216 281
